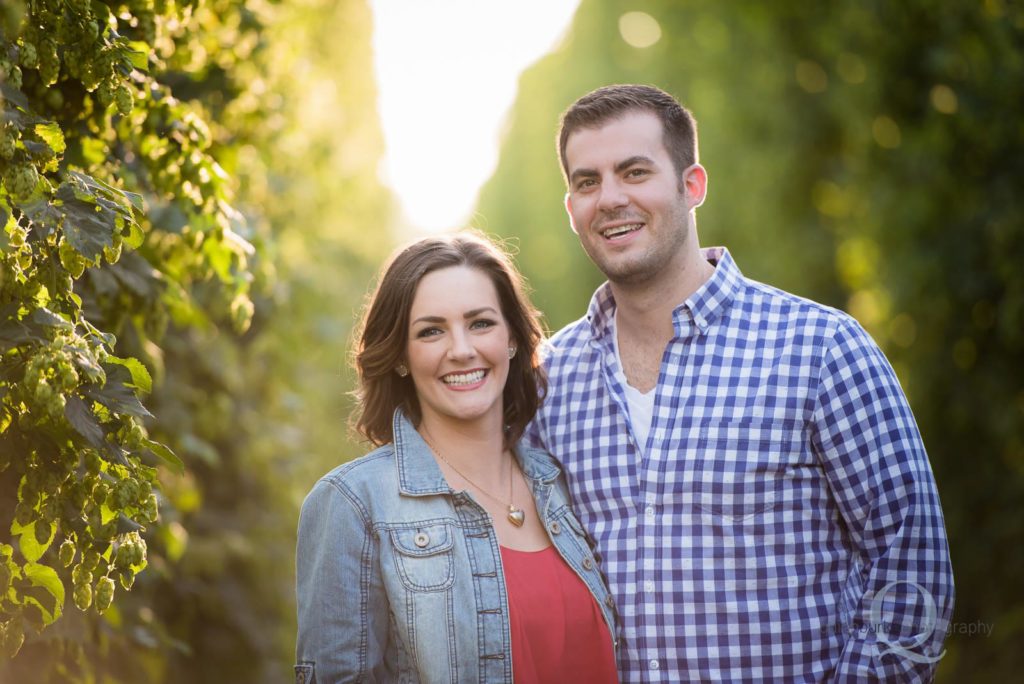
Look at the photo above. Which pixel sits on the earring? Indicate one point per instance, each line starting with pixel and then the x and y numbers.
pixel 512 353
pixel 401 370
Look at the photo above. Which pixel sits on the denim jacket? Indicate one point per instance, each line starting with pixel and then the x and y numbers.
pixel 400 577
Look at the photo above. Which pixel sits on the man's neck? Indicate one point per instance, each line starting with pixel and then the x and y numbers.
pixel 645 309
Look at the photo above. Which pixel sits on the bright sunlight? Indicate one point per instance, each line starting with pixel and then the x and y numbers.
pixel 447 72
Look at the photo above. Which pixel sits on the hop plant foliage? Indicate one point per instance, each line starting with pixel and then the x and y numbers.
pixel 100 164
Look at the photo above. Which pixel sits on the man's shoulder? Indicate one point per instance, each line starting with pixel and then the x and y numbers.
pixel 567 342
pixel 760 300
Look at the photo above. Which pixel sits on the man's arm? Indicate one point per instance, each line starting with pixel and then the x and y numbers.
pixel 878 471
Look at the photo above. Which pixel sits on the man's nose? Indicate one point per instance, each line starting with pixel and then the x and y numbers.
pixel 613 196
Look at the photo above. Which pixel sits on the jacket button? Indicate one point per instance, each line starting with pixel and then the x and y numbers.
pixel 609 601
pixel 555 527
pixel 588 563
pixel 300 678
pixel 421 539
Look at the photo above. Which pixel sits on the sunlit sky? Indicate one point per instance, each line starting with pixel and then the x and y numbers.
pixel 447 72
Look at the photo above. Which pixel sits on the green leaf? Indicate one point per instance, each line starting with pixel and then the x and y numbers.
pixel 141 378
pixel 31 549
pixel 118 394
pixel 138 55
pixel 84 422
pixel 126 524
pixel 165 454
pixel 19 113
pixel 135 235
pixel 49 319
pixel 15 331
pixel 87 226
pixel 45 577
pixel 51 134
pixel 106 515
pixel 46 216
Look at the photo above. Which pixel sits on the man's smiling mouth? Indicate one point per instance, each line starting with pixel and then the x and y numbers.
pixel 617 232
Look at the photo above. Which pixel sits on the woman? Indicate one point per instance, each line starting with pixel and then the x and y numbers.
pixel 450 553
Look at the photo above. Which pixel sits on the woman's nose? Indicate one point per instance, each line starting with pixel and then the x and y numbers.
pixel 461 347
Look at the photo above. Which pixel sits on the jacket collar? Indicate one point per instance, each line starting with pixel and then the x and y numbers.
pixel 419 474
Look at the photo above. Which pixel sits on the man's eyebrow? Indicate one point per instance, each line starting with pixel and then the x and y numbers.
pixel 582 173
pixel 632 161
pixel 619 168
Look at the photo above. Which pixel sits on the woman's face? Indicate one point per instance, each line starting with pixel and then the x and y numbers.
pixel 458 347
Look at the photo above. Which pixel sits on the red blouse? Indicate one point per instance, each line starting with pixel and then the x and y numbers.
pixel 558 632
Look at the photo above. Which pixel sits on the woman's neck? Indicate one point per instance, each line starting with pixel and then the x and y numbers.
pixel 471 446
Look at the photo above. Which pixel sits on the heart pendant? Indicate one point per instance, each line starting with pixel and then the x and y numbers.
pixel 516 516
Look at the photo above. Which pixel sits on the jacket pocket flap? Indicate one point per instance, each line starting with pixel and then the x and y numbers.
pixel 426 540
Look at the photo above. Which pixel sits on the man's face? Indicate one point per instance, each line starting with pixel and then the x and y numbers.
pixel 627 204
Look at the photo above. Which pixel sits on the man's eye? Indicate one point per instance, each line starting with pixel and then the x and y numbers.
pixel 636 173
pixel 586 184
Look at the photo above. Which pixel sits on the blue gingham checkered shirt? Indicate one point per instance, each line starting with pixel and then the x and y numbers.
pixel 782 522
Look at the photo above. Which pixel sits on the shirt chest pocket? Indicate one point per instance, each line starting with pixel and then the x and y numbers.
pixel 424 556
pixel 743 469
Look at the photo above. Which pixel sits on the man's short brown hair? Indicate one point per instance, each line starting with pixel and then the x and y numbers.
pixel 606 104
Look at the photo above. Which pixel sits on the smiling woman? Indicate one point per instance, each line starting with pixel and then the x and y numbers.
pixel 447 525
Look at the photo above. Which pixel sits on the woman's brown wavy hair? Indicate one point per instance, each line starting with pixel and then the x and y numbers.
pixel 384 330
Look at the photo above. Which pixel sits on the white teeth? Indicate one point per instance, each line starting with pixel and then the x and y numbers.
pixel 619 231
pixel 463 378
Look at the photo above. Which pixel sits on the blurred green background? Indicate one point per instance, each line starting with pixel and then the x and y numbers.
pixel 866 154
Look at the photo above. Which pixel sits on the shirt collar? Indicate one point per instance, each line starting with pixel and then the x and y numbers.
pixel 419 474
pixel 703 306
pixel 714 296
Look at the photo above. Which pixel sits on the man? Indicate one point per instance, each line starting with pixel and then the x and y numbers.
pixel 744 459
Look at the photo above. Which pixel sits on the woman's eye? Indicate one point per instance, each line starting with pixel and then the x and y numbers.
pixel 482 323
pixel 428 332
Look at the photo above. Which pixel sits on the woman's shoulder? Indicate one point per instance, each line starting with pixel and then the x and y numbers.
pixel 369 468
pixel 538 463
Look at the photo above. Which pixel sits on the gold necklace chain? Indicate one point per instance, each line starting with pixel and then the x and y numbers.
pixel 515 515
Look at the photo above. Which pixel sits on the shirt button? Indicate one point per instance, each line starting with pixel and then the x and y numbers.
pixel 421 539
pixel 654 664
pixel 649 586
pixel 588 563
pixel 610 602
pixel 555 527
pixel 301 678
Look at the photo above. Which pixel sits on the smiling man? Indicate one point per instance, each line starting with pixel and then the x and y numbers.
pixel 745 460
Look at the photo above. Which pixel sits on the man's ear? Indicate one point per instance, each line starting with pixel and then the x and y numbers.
pixel 695 184
pixel 568 210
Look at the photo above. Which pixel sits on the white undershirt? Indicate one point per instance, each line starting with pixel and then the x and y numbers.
pixel 640 404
